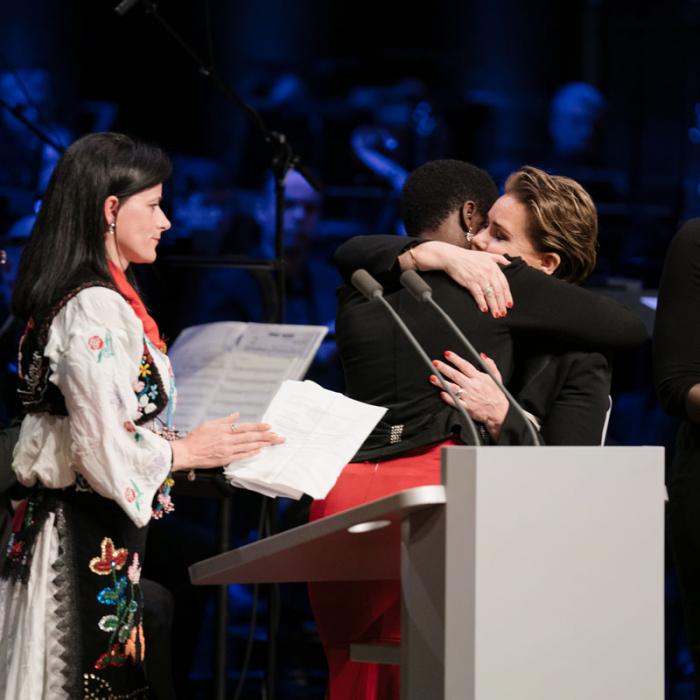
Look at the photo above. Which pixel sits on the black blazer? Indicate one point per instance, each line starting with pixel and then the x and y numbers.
pixel 569 392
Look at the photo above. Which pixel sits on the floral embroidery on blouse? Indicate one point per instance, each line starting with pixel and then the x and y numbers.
pixel 124 625
pixel 133 495
pixel 36 393
pixel 131 428
pixel 102 347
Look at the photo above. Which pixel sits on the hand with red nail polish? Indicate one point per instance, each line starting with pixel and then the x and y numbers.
pixel 478 271
pixel 478 393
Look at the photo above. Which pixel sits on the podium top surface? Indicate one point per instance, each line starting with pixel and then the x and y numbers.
pixel 327 549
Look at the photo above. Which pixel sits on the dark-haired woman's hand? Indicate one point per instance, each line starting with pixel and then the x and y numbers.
pixel 218 442
pixel 476 271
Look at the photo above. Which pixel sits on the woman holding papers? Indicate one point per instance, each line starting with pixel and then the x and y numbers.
pixel 381 368
pixel 97 445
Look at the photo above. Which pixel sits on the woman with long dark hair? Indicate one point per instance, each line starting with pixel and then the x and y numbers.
pixel 97 446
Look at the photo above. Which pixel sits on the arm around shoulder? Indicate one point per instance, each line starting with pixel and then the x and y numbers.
pixel 578 317
pixel 376 254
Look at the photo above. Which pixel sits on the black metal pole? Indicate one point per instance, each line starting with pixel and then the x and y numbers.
pixel 221 625
pixel 17 113
pixel 283 160
pixel 273 614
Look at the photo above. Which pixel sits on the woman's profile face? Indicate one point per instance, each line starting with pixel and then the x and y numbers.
pixel 505 231
pixel 140 223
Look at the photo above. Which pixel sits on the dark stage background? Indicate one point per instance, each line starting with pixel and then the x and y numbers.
pixel 606 92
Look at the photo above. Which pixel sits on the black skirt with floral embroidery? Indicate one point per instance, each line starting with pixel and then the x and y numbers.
pixel 99 604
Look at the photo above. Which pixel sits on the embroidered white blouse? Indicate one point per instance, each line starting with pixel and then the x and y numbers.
pixel 94 347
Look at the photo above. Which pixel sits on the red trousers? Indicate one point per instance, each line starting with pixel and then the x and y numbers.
pixel 365 611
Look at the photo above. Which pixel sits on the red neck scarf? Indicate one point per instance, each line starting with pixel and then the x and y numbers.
pixel 150 327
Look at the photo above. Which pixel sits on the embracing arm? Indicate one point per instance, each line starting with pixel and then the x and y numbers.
pixel 386 257
pixel 570 314
pixel 377 254
pixel 676 347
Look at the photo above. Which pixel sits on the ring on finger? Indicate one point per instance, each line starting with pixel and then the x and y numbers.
pixel 459 393
pixel 234 427
pixel 488 291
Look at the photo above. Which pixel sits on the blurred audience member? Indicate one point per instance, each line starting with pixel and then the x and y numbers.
pixel 575 116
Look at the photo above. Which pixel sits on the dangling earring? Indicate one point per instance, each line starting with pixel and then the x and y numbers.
pixel 111 228
pixel 469 233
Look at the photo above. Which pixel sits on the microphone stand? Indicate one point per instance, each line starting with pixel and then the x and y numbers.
pixel 421 291
pixel 283 160
pixel 17 113
pixel 373 291
pixel 283 157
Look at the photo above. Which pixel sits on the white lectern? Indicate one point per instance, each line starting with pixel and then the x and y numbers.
pixel 531 574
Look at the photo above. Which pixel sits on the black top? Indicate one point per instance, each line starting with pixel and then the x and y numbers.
pixel 569 392
pixel 676 344
pixel 383 369
pixel 676 349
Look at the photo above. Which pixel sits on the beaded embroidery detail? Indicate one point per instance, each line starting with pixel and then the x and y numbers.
pixel 18 547
pixel 124 625
pixel 96 688
pixel 164 503
pixel 28 520
pixel 149 388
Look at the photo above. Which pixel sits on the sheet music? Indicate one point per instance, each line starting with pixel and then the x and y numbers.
pixel 225 367
pixel 196 346
pixel 323 431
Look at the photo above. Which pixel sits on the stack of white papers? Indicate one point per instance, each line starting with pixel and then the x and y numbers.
pixel 323 430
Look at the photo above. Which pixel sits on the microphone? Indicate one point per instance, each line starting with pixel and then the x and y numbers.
pixel 421 291
pixel 124 6
pixel 367 285
pixel 372 290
